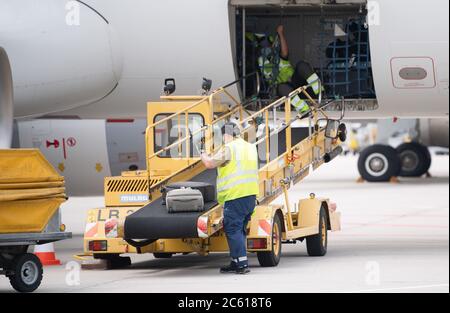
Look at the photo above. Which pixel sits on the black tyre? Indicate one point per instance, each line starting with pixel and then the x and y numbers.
pixel 415 159
pixel 162 255
pixel 317 244
pixel 272 258
pixel 379 163
pixel 119 263
pixel 27 273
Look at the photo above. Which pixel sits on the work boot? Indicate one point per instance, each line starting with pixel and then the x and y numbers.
pixel 242 270
pixel 232 268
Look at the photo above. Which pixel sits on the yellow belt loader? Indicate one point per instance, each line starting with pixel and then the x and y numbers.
pixel 134 220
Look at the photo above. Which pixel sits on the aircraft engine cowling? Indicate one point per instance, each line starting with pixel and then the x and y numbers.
pixel 63 55
pixel 6 100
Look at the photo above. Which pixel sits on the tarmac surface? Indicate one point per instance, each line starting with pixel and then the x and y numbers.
pixel 395 238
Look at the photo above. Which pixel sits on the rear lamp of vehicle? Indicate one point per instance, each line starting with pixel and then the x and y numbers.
pixel 98 245
pixel 258 243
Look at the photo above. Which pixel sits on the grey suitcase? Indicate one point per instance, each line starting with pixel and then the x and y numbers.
pixel 208 190
pixel 185 200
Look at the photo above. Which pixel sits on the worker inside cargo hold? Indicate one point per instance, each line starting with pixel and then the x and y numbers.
pixel 237 188
pixel 279 71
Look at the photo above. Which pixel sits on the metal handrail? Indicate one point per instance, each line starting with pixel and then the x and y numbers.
pixel 270 106
pixel 316 109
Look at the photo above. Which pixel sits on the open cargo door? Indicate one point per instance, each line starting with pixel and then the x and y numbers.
pixel 327 38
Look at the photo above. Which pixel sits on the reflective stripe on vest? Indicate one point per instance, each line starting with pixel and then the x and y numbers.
pixel 314 81
pixel 239 177
pixel 299 104
pixel 285 70
pixel 236 183
pixel 222 181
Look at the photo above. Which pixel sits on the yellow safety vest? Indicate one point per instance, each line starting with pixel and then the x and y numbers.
pixel 314 81
pixel 238 178
pixel 285 70
pixel 300 105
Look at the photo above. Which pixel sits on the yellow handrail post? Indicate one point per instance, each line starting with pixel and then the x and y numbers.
pixel 287 110
pixel 267 137
pixel 147 151
pixel 284 185
pixel 180 146
pixel 187 142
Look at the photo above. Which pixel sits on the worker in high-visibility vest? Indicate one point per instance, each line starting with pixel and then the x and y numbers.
pixel 289 78
pixel 237 189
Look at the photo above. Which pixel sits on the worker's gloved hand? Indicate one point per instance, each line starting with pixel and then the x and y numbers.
pixel 259 120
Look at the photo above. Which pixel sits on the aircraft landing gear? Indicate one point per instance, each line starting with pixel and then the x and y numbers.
pixel 381 163
pixel 415 159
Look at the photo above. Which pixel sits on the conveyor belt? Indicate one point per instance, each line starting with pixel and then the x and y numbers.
pixel 154 222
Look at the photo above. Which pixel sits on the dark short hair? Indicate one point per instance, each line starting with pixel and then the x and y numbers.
pixel 230 129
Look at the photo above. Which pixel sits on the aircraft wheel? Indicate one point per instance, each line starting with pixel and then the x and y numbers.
pixel 379 163
pixel 415 159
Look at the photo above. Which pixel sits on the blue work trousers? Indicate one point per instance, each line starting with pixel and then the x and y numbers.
pixel 237 214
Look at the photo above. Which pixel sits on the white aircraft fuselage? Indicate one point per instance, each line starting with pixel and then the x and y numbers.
pixel 107 58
